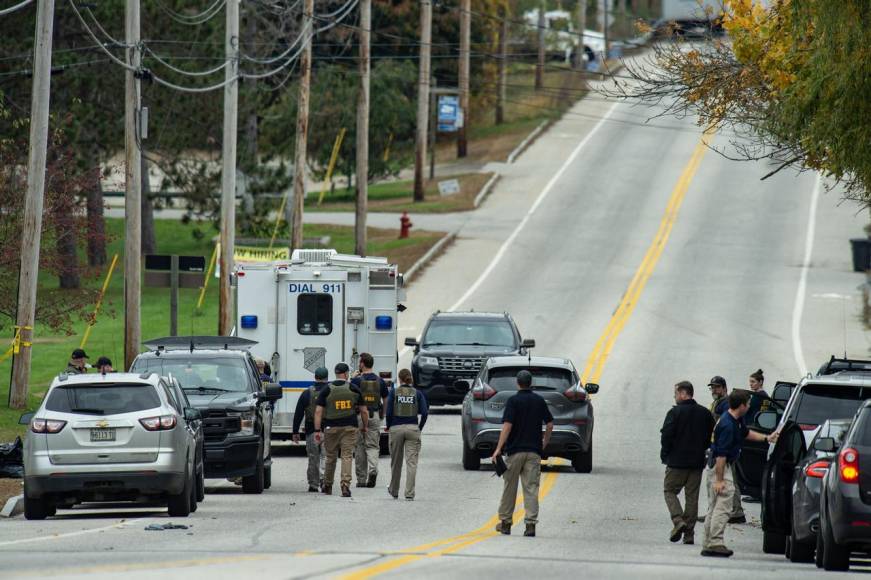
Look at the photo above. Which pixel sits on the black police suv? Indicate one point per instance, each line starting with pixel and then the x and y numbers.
pixel 845 501
pixel 220 378
pixel 454 345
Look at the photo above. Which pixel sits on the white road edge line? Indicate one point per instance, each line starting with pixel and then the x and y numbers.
pixel 798 307
pixel 119 525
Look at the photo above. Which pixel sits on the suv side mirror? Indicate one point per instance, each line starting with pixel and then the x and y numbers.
pixel 591 388
pixel 409 341
pixel 26 418
pixel 191 414
pixel 767 420
pixel 825 444
pixel 527 343
pixel 271 392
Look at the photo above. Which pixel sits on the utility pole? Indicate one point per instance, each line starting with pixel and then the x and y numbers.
pixel 621 11
pixel 422 97
pixel 296 209
pixel 605 29
pixel 465 35
pixel 539 70
pixel 32 226
pixel 503 68
pixel 228 170
pixel 582 26
pixel 133 188
pixel 363 131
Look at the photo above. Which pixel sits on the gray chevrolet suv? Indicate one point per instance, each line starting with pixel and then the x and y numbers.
pixel 557 381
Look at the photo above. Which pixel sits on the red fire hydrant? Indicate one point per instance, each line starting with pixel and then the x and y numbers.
pixel 404 225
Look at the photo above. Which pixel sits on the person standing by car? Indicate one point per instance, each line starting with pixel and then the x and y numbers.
pixel 719 392
pixel 336 426
pixel 759 399
pixel 77 365
pixel 686 433
pixel 521 437
pixel 729 434
pixel 404 405
pixel 104 365
pixel 374 392
pixel 305 407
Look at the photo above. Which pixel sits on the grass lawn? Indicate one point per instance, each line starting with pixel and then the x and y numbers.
pixel 397 196
pixel 51 351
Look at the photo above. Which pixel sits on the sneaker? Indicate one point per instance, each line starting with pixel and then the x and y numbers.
pixel 393 495
pixel 346 491
pixel 530 531
pixel 312 489
pixel 717 552
pixel 504 527
pixel 328 489
pixel 677 532
pixel 738 520
pixel 372 478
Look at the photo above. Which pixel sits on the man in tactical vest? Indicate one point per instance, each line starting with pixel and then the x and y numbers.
pixel 305 407
pixel 336 426
pixel 404 405
pixel 374 391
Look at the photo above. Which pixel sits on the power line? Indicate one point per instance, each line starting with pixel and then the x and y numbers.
pixel 15 8
pixel 194 19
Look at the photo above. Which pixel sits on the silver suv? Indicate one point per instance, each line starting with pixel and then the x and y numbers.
pixel 114 437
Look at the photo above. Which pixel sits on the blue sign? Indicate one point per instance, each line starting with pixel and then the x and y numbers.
pixel 449 114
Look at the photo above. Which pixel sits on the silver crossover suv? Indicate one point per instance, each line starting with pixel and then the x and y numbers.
pixel 113 437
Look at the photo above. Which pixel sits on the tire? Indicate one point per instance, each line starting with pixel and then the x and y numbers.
pixel 201 485
pixel 800 552
pixel 773 543
pixel 788 549
pixel 179 505
pixel 194 504
pixel 818 556
pixel 471 459
pixel 255 483
pixel 583 461
pixel 835 558
pixel 38 508
pixel 267 477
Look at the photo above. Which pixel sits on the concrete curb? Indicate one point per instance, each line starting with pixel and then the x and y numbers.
pixel 426 258
pixel 512 157
pixel 14 506
pixel 485 191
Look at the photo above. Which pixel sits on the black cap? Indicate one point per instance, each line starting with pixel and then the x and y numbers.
pixel 321 373
pixel 103 360
pixel 717 381
pixel 79 353
pixel 342 368
pixel 524 378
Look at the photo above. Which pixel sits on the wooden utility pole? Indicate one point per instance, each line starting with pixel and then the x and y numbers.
pixel 296 208
pixel 226 315
pixel 465 35
pixel 605 29
pixel 363 131
pixel 582 26
pixel 32 227
pixel 539 70
pixel 503 68
pixel 422 97
pixel 133 189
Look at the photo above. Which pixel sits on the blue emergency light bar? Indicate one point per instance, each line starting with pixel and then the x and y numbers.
pixel 383 322
pixel 248 321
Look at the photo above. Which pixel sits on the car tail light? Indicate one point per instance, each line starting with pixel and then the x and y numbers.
pixel 47 425
pixel 817 469
pixel 483 392
pixel 576 394
pixel 848 465
pixel 162 423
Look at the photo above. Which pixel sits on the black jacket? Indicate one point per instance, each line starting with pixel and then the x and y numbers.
pixel 686 434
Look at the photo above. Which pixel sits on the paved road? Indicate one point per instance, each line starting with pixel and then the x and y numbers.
pixel 677 263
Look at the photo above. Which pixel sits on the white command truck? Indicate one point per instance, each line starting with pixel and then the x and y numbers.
pixel 316 310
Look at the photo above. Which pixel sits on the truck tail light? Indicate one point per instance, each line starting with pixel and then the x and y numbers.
pixel 47 425
pixel 817 469
pixel 576 394
pixel 483 392
pixel 162 423
pixel 848 465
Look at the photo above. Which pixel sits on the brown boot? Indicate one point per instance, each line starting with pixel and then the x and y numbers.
pixel 328 489
pixel 346 491
pixel 504 527
pixel 530 531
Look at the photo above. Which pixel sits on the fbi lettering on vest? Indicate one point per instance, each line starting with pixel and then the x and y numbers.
pixel 343 405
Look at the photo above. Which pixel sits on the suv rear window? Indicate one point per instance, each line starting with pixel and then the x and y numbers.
pixel 470 332
pixel 819 403
pixel 103 399
pixel 227 374
pixel 547 379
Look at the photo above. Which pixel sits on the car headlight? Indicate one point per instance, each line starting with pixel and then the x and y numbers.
pixel 428 361
pixel 246 419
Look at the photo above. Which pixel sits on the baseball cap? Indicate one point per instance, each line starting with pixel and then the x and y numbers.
pixel 79 353
pixel 321 373
pixel 342 368
pixel 717 381
pixel 103 360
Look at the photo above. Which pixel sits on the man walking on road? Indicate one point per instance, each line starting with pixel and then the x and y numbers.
pixel 306 407
pixel 374 392
pixel 720 393
pixel 521 437
pixel 404 404
pixel 336 426
pixel 729 434
pixel 686 434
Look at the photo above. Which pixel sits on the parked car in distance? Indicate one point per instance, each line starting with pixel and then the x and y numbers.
pixel 453 347
pixel 109 438
pixel 808 478
pixel 557 381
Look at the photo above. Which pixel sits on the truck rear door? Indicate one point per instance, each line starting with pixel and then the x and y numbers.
pixel 315 328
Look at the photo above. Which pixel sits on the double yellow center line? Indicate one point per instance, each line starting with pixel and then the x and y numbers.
pixel 592 371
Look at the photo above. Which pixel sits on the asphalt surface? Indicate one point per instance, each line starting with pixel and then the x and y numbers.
pixel 610 241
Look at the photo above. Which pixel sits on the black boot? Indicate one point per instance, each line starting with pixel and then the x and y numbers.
pixel 504 527
pixel 530 531
pixel 372 478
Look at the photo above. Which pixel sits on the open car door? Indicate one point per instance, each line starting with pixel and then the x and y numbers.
pixel 754 454
pixel 782 392
pixel 778 478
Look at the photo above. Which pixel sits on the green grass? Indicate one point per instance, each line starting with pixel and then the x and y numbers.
pixel 51 351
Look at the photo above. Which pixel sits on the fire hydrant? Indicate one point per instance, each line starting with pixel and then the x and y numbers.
pixel 404 225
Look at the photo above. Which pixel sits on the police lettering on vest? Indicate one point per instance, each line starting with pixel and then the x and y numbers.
pixel 340 402
pixel 371 391
pixel 405 402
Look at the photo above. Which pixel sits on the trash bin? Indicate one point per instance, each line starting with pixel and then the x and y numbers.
pixel 861 254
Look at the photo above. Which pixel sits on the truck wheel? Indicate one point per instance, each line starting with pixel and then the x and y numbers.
pixel 471 459
pixel 179 505
pixel 773 543
pixel 267 477
pixel 583 461
pixel 835 557
pixel 38 508
pixel 255 483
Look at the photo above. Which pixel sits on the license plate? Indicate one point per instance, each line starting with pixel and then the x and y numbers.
pixel 102 434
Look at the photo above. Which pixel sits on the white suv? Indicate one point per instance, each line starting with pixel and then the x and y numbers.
pixel 114 437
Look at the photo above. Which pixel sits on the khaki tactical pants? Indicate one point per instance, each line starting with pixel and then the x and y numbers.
pixel 719 508
pixel 339 440
pixel 690 481
pixel 316 458
pixel 404 440
pixel 526 467
pixel 737 508
pixel 368 447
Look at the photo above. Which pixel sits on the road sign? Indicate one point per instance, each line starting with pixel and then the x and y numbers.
pixel 449 114
pixel 449 187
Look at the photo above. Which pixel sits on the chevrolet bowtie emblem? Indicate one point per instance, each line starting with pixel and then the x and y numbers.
pixel 102 424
